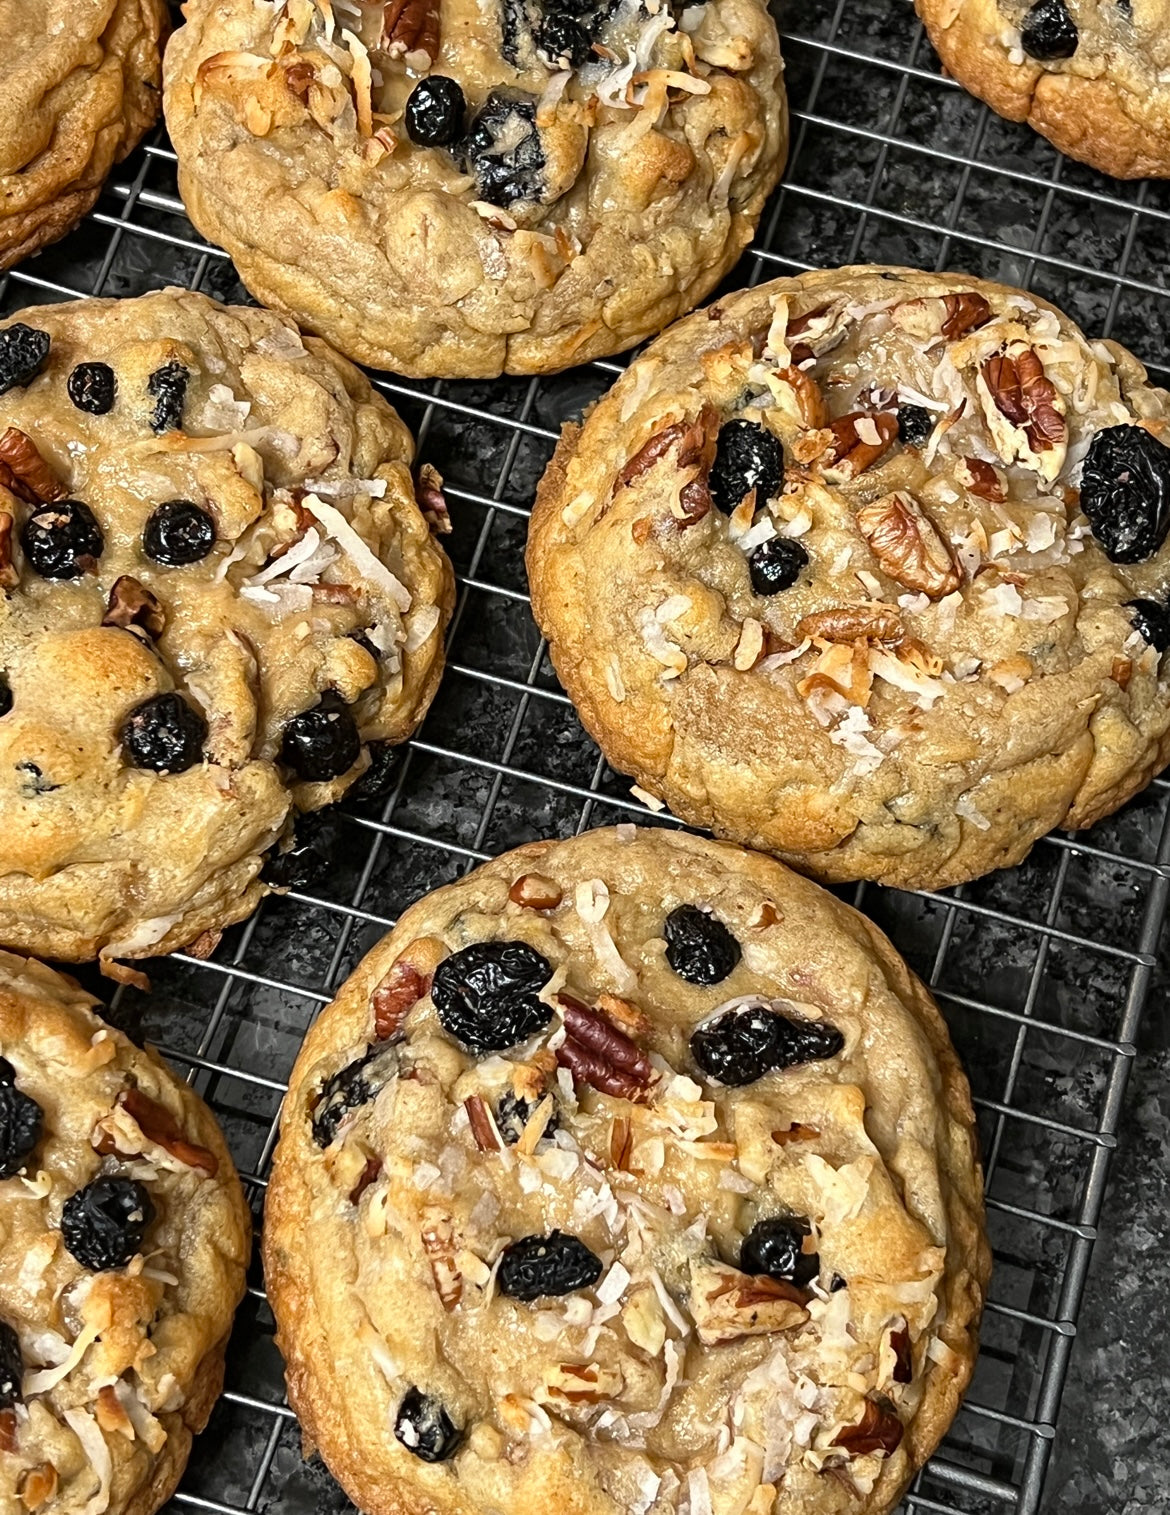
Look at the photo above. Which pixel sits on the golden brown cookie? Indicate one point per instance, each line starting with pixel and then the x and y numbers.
pixel 126 1236
pixel 219 595
pixel 455 188
pixel 1090 75
pixel 629 1174
pixel 867 568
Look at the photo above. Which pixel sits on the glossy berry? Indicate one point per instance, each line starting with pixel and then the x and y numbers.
pixel 5 695
pixel 742 1045
pixel 537 1266
pixel 322 743
pixel 20 1123
pixel 513 1113
pixel 93 387
pixel 168 388
pixel 1049 32
pixel 564 42
pixel 377 783
pixel 62 540
pixel 776 565
pixel 103 1224
pixel 423 1427
pixel 915 424
pixel 164 734
pixel 699 946
pixel 486 994
pixel 11 1367
pixel 295 867
pixel 1152 620
pixel 435 111
pixel 178 532
pixel 23 350
pixel 1125 492
pixel 747 456
pixel 773 1247
pixel 503 149
pixel 351 1088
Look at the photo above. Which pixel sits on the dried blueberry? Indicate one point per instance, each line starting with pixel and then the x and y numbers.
pixel 564 42
pixel 103 1224
pixel 699 946
pixel 486 994
pixel 167 386
pixel 322 743
pixel 355 1085
pixel 776 565
pixel 1152 620
pixel 423 1427
pixel 293 868
pixel 23 350
pixel 773 1247
pixel 62 540
pixel 1049 32
pixel 178 532
pixel 503 149
pixel 1125 492
pixel 164 733
pixel 747 456
pixel 11 1367
pixel 434 111
pixel 377 783
pixel 513 1113
pixel 915 424
pixel 93 388
pixel 20 1126
pixel 742 1045
pixel 536 1266
pixel 5 695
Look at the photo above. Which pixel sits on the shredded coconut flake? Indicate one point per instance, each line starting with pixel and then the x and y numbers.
pixel 93 1444
pixel 365 561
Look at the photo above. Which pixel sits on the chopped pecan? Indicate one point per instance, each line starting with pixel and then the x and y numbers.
pixel 858 440
pixel 795 1133
pixel 964 312
pixel 822 329
pixel 982 478
pixel 726 1304
pixel 908 545
pixel 810 402
pixel 159 1126
pixel 24 471
pixel 949 316
pixel 299 75
pixel 621 1142
pixel 695 442
pixel 37 1485
pixel 1121 672
pixel 131 604
pixel 694 500
pixel 110 1413
pixel 878 1430
pixel 483 1128
pixel 204 944
pixel 410 26
pixel 1026 397
pixel 903 1358
pixel 535 892
pixel 406 982
pixel 852 623
pixel 428 490
pixel 438 1239
pixel 9 573
pixel 650 452
pixel 597 1053
pixel 335 594
pixel 586 1383
pixel 625 1017
pixel 366 1177
pixel 8 1430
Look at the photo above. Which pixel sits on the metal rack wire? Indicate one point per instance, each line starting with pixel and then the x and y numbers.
pixel 1042 972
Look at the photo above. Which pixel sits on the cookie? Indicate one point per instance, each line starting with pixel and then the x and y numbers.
pixel 631 1173
pixel 126 1236
pixel 1090 75
pixel 219 595
pixel 462 189
pixel 867 568
pixel 80 87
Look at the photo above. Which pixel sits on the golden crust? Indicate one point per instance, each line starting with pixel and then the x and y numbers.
pixel 342 1274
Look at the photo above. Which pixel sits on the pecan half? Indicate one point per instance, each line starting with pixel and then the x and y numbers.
pixel 597 1053
pixel 158 1126
pixel 810 402
pixel 878 1430
pixel 726 1304
pixel 410 26
pixel 1026 397
pixel 964 312
pixel 9 573
pixel 695 443
pixel 438 1239
pixel 535 892
pixel 852 623
pixel 949 316
pixel 908 545
pixel 24 471
pixel 857 441
pixel 982 478
pixel 132 604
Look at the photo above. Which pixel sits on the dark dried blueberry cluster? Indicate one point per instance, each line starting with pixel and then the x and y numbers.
pixel 103 1224
pixel 1049 32
pixel 423 1427
pixel 352 1087
pixel 503 150
pixel 538 1266
pixel 699 947
pixel 747 456
pixel 774 1247
pixel 1125 492
pixel 164 734
pixel 742 1045
pixel 322 743
pixel 377 783
pixel 1152 620
pixel 93 387
pixel 11 1367
pixel 486 995
pixel 178 532
pixel 23 351
pixel 62 540
pixel 563 41
pixel 167 386
pixel 21 1119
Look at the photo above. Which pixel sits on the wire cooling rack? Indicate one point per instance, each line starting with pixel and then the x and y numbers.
pixel 1042 971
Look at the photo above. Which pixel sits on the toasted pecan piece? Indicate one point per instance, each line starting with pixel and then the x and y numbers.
pixel 908 545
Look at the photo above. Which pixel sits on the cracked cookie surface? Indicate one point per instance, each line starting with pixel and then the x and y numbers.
pixel 218 591
pixel 631 1173
pixel 126 1237
pixel 867 568
pixel 449 188
pixel 1093 76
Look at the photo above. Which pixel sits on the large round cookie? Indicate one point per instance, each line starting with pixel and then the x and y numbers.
pixel 218 590
pixel 1092 75
pixel 126 1236
pixel 465 188
pixel 821 572
pixel 79 85
pixel 629 1174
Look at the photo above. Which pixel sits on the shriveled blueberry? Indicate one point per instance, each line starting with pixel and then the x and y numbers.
pixel 564 42
pixel 699 946
pixel 11 1367
pixel 536 1266
pixel 486 994
pixel 5 695
pixel 747 456
pixel 773 1247
pixel 435 111
pixel 167 386
pixel 503 149
pixel 164 734
pixel 776 565
pixel 21 1119
pixel 103 1224
pixel 295 866
pixel 513 1113
pixel 915 424
pixel 423 1427
pixel 352 1087
pixel 322 743
pixel 93 387
pixel 377 783
pixel 1049 32
pixel 23 350
pixel 1152 620
pixel 1125 492
pixel 178 532
pixel 62 540
pixel 744 1044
